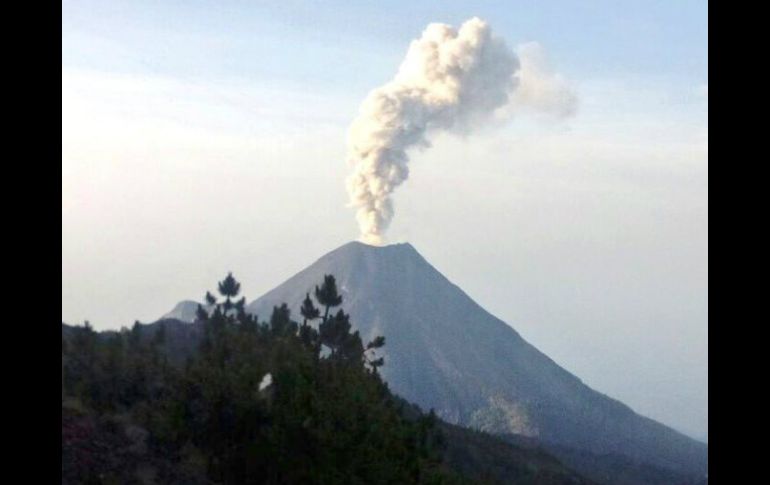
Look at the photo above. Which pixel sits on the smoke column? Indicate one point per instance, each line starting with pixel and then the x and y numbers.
pixel 451 79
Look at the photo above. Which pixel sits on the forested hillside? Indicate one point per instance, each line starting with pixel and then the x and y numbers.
pixel 230 399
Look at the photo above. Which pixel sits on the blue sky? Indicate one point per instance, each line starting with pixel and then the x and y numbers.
pixel 203 137
pixel 316 43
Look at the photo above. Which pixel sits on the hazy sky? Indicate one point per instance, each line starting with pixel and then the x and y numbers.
pixel 202 137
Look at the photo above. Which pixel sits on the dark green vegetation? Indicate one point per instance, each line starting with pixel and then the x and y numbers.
pixel 230 399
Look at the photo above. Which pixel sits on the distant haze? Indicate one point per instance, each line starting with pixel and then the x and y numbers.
pixel 207 139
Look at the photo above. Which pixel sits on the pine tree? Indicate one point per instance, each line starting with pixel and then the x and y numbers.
pixel 201 314
pixel 280 321
pixel 307 334
pixel 352 349
pixel 240 305
pixel 334 331
pixel 375 344
pixel 229 288
pixel 327 295
pixel 308 310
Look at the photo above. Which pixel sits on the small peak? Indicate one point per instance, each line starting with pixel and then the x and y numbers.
pixel 185 303
pixel 184 310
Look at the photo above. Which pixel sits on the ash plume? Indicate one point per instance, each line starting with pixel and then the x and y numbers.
pixel 452 80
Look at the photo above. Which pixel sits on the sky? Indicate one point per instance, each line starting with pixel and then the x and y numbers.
pixel 206 137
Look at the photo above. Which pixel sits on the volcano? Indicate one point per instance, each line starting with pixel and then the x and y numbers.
pixel 445 352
